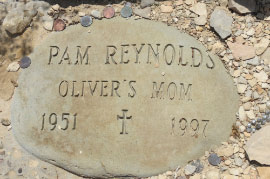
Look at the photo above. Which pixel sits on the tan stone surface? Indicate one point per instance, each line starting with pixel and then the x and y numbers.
pixel 264 172
pixel 153 141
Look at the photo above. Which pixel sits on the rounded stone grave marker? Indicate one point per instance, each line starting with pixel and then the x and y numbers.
pixel 135 99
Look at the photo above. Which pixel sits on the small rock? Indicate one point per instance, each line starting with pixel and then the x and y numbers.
pixel 145 3
pixel 264 172
pixel 56 7
pixel 13 67
pixel 266 56
pixel 223 3
pixel 241 88
pixel 214 160
pixel 96 14
pixel 261 76
pixel 241 52
pixel 230 177
pixel 199 8
pixel 227 162
pixel 190 2
pixel 242 128
pixel 189 169
pixel 196 176
pixel 81 14
pixel 18 19
pixel 166 9
pixel 261 46
pixel 199 166
pixel 254 61
pixel 1 145
pixel 221 21
pixel 251 32
pixel 201 20
pixel 257 145
pixel 234 171
pixel 213 174
pixel 225 151
pixel 242 6
pixel 242 114
pixel 5 122
pixel 47 22
pixel 238 162
pixel 145 13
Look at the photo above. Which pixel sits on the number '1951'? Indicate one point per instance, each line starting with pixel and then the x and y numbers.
pixel 63 121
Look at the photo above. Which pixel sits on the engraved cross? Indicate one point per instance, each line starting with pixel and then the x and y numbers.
pixel 124 117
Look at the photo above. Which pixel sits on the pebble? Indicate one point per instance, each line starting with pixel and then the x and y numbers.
pixel 199 9
pixel 47 22
pixel 214 160
pixel 213 174
pixel 13 67
pixel 266 56
pixel 221 21
pixel 241 52
pixel 166 9
pixel 241 88
pixel 201 20
pixel 227 162
pixel 190 169
pixel 146 3
pixel 56 7
pixel 238 161
pixel 261 76
pixel 96 14
pixel 234 171
pixel 261 46
pixel 145 13
pixel 2 152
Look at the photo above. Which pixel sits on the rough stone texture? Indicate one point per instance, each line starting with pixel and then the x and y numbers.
pixel 264 172
pixel 258 144
pixel 145 3
pixel 266 56
pixel 261 46
pixel 241 52
pixel 242 6
pixel 145 13
pixel 154 143
pixel 221 21
pixel 200 9
pixel 18 19
pixel 201 20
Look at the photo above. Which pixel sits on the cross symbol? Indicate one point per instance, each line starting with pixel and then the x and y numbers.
pixel 124 117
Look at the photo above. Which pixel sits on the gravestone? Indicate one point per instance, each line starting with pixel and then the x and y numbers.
pixel 122 98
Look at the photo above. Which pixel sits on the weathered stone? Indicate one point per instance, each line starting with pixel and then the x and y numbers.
pixel 258 144
pixel 18 19
pixel 264 172
pixel 201 20
pixel 266 56
pixel 261 46
pixel 221 21
pixel 166 9
pixel 145 13
pixel 200 9
pixel 126 106
pixel 190 169
pixel 145 3
pixel 213 174
pixel 96 14
pixel 242 6
pixel 261 76
pixel 14 66
pixel 241 52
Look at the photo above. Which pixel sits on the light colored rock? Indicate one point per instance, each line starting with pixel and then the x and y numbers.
pixel 223 3
pixel 196 176
pixel 13 67
pixel 242 114
pixel 200 9
pixel 257 145
pixel 221 21
pixel 100 136
pixel 261 76
pixel 250 114
pixel 201 20
pixel 254 61
pixel 230 177
pixel 241 52
pixel 42 7
pixel 47 22
pixel 189 169
pixel 3 12
pixel 242 6
pixel 213 174
pixel 190 2
pixel 96 14
pixel 166 9
pixel 227 162
pixel 238 161
pixel 145 3
pixel 18 19
pixel 56 7
pixel 250 32
pixel 234 171
pixel 266 56
pixel 145 13
pixel 241 88
pixel 225 151
pixel 81 14
pixel 261 46
pixel 264 172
